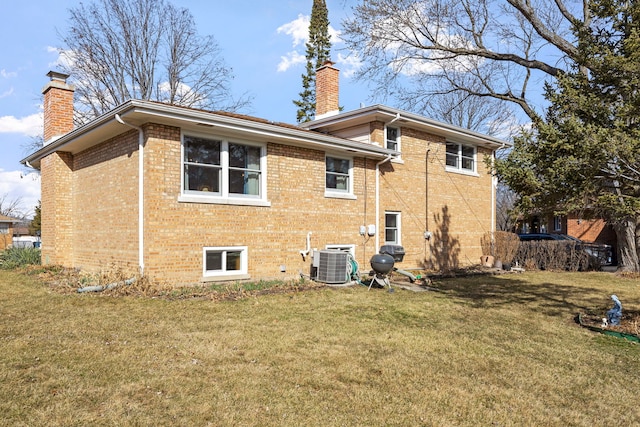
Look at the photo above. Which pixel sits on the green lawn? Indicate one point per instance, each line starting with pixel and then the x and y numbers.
pixel 482 351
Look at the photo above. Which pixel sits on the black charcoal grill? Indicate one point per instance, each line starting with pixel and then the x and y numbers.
pixel 381 264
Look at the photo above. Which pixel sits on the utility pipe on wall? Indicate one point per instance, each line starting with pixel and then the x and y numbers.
pixel 494 187
pixel 140 191
pixel 386 159
pixel 305 253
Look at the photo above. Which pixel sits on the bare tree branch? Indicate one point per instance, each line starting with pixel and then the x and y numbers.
pixel 143 49
pixel 503 44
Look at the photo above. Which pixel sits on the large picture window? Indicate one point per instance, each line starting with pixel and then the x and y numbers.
pixel 223 169
pixel 461 157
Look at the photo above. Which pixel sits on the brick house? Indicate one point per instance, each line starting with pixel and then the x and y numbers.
pixel 186 195
pixel 6 231
pixel 590 230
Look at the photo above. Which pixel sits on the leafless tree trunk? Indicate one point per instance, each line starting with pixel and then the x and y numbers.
pixel 118 50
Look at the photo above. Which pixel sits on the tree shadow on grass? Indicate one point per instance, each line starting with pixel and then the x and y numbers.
pixel 549 298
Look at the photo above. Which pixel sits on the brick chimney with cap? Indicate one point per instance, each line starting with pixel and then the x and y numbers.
pixel 327 90
pixel 56 173
pixel 58 106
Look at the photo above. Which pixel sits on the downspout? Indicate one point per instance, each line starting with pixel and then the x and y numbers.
pixel 140 192
pixel 494 187
pixel 386 159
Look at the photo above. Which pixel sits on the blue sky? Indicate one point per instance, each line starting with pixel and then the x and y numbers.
pixel 262 41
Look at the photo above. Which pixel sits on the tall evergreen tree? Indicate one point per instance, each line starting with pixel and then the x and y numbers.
pixel 35 225
pixel 585 154
pixel 318 51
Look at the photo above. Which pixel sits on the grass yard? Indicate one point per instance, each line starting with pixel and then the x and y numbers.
pixel 483 351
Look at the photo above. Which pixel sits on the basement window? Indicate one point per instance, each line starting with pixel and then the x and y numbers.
pixel 344 248
pixel 225 263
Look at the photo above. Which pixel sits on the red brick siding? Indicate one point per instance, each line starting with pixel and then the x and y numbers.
pixel 58 110
pixel 327 90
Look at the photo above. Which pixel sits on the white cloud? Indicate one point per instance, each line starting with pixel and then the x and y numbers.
pixel 22 186
pixel 291 59
pixel 30 125
pixel 349 64
pixel 7 74
pixel 65 58
pixel 298 29
pixel 6 93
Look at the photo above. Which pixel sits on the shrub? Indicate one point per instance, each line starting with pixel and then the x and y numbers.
pixel 19 257
pixel 502 245
pixel 553 255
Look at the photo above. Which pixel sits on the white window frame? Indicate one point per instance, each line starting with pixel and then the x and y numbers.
pixel 347 248
pixel 335 193
pixel 224 274
pixel 224 197
pixel 459 157
pixel 397 142
pixel 4 227
pixel 557 223
pixel 398 228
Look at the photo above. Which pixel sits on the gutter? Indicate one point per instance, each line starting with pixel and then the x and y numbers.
pixel 456 133
pixel 140 192
pixel 145 111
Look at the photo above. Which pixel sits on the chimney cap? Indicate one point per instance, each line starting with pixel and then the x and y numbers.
pixel 55 75
pixel 328 63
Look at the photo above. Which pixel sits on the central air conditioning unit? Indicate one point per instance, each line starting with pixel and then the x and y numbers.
pixel 330 266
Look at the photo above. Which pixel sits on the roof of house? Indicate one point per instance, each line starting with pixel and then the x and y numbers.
pixel 389 115
pixel 137 113
pixel 4 218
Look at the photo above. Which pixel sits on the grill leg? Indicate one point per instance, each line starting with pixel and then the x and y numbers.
pixel 381 280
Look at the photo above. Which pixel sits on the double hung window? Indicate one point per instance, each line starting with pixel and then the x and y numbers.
pixel 557 223
pixel 461 157
pixel 219 168
pixel 392 228
pixel 392 138
pixel 338 176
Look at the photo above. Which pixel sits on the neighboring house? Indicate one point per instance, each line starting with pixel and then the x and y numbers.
pixel 6 231
pixel 186 195
pixel 592 230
